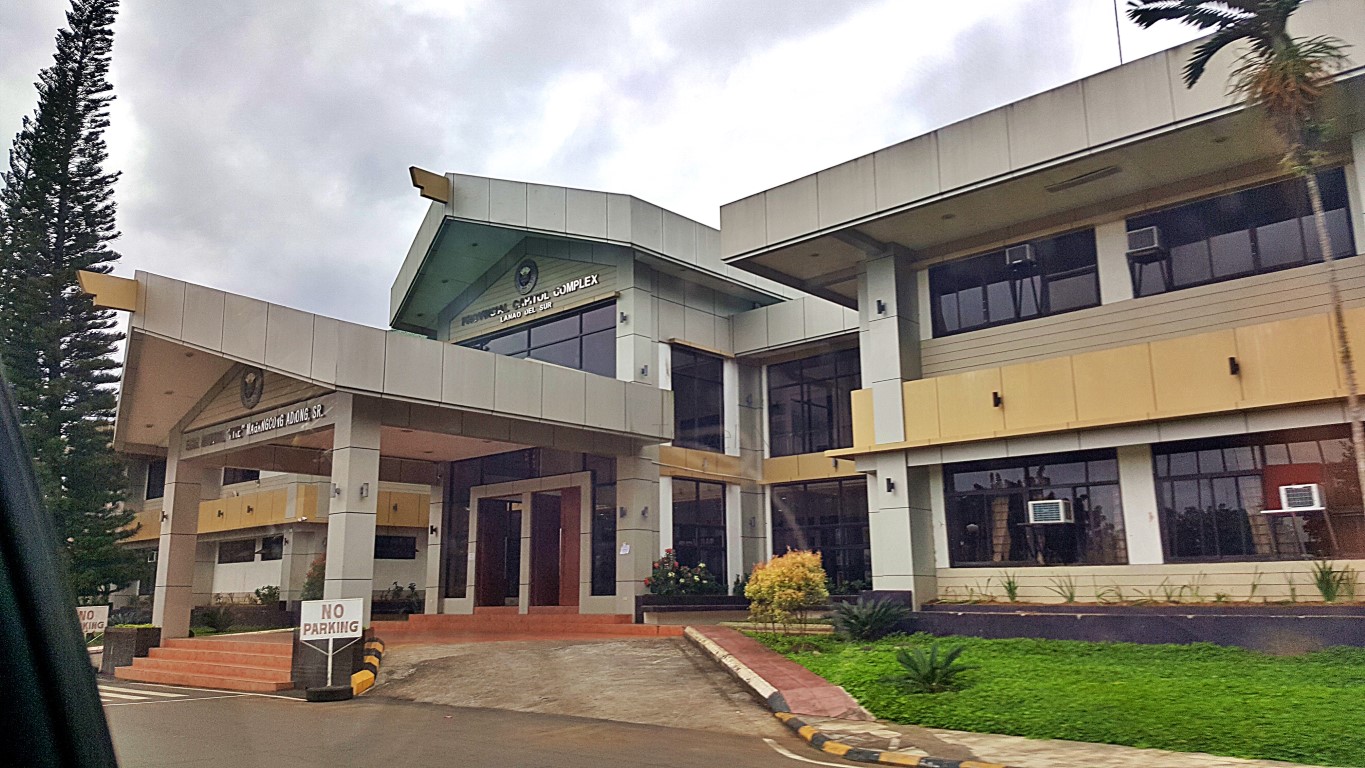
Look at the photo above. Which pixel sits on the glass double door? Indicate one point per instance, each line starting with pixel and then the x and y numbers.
pixel 527 549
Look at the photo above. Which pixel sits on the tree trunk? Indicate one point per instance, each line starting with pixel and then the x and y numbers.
pixel 1339 325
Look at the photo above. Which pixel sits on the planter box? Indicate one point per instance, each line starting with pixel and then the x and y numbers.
pixel 687 603
pixel 1147 609
pixel 123 644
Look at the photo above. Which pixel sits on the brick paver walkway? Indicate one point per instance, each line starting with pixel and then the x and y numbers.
pixel 805 692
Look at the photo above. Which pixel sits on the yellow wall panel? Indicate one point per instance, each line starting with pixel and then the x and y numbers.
pixel 1287 361
pixel 783 469
pixel 413 510
pixel 275 504
pixel 921 410
pixel 209 519
pixel 863 433
pixel 1039 395
pixel 231 519
pixel 384 512
pixel 1355 334
pixel 306 504
pixel 965 408
pixel 1114 385
pixel 1190 374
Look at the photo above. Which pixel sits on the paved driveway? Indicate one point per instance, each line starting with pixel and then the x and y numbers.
pixel 650 681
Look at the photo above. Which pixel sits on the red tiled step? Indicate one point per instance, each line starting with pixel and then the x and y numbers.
pixel 268 648
pixel 226 668
pixel 162 677
pixel 272 661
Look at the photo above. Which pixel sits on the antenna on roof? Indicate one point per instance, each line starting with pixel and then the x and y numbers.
pixel 1118 36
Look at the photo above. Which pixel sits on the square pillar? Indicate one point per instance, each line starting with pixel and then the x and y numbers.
pixel 637 492
pixel 900 525
pixel 435 552
pixel 355 488
pixel 1141 523
pixel 888 336
pixel 187 483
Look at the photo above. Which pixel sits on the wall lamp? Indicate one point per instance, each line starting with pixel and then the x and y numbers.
pixel 250 509
pixel 644 370
pixel 165 517
pixel 1234 367
pixel 645 513
pixel 364 490
pixel 336 490
pixel 890 485
pixel 434 530
pixel 881 307
pixel 624 317
pixel 621 513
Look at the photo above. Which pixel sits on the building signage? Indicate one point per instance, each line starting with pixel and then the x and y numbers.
pixel 299 416
pixel 330 619
pixel 94 618
pixel 530 304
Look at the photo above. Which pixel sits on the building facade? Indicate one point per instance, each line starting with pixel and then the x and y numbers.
pixel 1105 303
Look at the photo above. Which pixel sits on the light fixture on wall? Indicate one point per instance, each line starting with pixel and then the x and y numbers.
pixel 624 317
pixel 250 509
pixel 753 523
pixel 890 485
pixel 364 490
pixel 434 530
pixel 644 370
pixel 165 517
pixel 621 513
pixel 644 513
pixel 336 490
pixel 881 307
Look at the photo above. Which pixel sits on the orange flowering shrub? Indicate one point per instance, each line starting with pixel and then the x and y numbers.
pixel 786 587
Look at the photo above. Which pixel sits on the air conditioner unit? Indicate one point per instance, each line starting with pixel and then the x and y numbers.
pixel 1019 255
pixel 1306 497
pixel 1145 244
pixel 1051 511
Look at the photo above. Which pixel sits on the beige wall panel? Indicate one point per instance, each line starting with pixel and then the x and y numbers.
pixel 1287 361
pixel 1355 335
pixel 906 171
pixel 965 408
pixel 1047 125
pixel 1190 374
pixel 973 150
pixel 1113 385
pixel 743 225
pixel 863 430
pixel 921 410
pixel 1038 395
pixel 793 209
pixel 1127 100
pixel 846 191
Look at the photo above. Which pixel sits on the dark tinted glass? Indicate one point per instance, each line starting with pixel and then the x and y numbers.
pixel 810 405
pixel 395 547
pixel 241 551
pixel 584 339
pixel 699 525
pixel 698 400
pixel 272 548
pixel 156 479
pixel 830 518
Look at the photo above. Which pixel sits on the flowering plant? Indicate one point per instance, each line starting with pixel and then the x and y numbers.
pixel 785 588
pixel 670 577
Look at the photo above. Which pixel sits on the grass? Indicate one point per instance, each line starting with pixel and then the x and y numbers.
pixel 1192 698
pixel 209 631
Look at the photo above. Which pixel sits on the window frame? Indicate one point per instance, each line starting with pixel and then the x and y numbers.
pixel 156 478
pixel 525 350
pixel 689 390
pixel 838 431
pixel 246 555
pixel 718 566
pixel 784 522
pixel 395 547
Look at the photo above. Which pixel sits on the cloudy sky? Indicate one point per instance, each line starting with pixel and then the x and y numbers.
pixel 264 145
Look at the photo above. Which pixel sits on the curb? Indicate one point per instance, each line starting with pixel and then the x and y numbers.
pixel 364 679
pixel 822 741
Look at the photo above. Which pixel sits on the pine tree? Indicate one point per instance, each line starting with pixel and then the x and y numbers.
pixel 56 218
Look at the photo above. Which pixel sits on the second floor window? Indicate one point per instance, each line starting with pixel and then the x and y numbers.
pixel 156 479
pixel 584 339
pixel 809 403
pixel 1058 275
pixel 698 400
pixel 1262 229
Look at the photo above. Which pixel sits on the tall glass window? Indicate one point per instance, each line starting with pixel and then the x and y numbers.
pixel 603 523
pixel 156 479
pixel 584 339
pixel 1262 229
pixel 698 400
pixel 987 511
pixel 829 517
pixel 987 290
pixel 699 525
pixel 810 403
pixel 1218 499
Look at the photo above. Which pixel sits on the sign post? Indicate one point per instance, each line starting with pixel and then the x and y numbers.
pixel 331 620
pixel 94 619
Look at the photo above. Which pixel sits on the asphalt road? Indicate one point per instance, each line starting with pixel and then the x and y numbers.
pixel 184 727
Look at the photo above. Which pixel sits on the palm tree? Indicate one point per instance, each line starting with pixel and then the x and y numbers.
pixel 1286 77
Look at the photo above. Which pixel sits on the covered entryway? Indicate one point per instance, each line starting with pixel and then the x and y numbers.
pixel 528 543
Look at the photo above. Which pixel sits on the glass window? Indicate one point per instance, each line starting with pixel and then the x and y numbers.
pixel 395 547
pixel 699 525
pixel 810 405
pixel 272 548
pixel 156 479
pixel 829 517
pixel 987 511
pixel 241 551
pixel 1225 505
pixel 584 339
pixel 985 290
pixel 698 400
pixel 232 475
pixel 603 538
pixel 1256 230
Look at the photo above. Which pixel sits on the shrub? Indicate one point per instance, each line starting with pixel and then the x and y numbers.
pixel 312 583
pixel 931 672
pixel 786 587
pixel 868 620
pixel 1334 583
pixel 268 595
pixel 737 589
pixel 123 617
pixel 218 618
pixel 670 577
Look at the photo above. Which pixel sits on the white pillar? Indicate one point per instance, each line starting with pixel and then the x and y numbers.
pixel 1111 261
pixel 1141 523
pixel 901 528
pixel 1355 186
pixel 187 483
pixel 637 492
pixel 889 337
pixel 436 521
pixel 355 481
pixel 734 535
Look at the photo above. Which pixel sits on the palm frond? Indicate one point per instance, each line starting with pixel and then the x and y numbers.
pixel 1205 51
pixel 1203 14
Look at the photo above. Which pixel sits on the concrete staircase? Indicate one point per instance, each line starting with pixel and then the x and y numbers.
pixel 489 624
pixel 256 663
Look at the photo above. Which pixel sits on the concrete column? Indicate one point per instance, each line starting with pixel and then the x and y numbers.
pixel 1141 523
pixel 637 492
pixel 436 520
pixel 351 520
pixel 187 483
pixel 889 336
pixel 636 325
pixel 754 524
pixel 302 545
pixel 1111 261
pixel 901 528
pixel 734 535
pixel 1355 185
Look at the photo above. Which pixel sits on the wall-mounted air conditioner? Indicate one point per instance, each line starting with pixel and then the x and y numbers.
pixel 1019 256
pixel 1305 497
pixel 1145 244
pixel 1050 511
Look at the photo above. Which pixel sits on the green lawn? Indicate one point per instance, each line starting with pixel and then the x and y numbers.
pixel 1193 698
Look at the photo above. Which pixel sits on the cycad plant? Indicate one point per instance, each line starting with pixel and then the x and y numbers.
pixel 1286 78
pixel 931 672
pixel 868 619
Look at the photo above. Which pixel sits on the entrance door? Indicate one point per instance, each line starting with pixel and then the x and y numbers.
pixel 497 579
pixel 555 540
